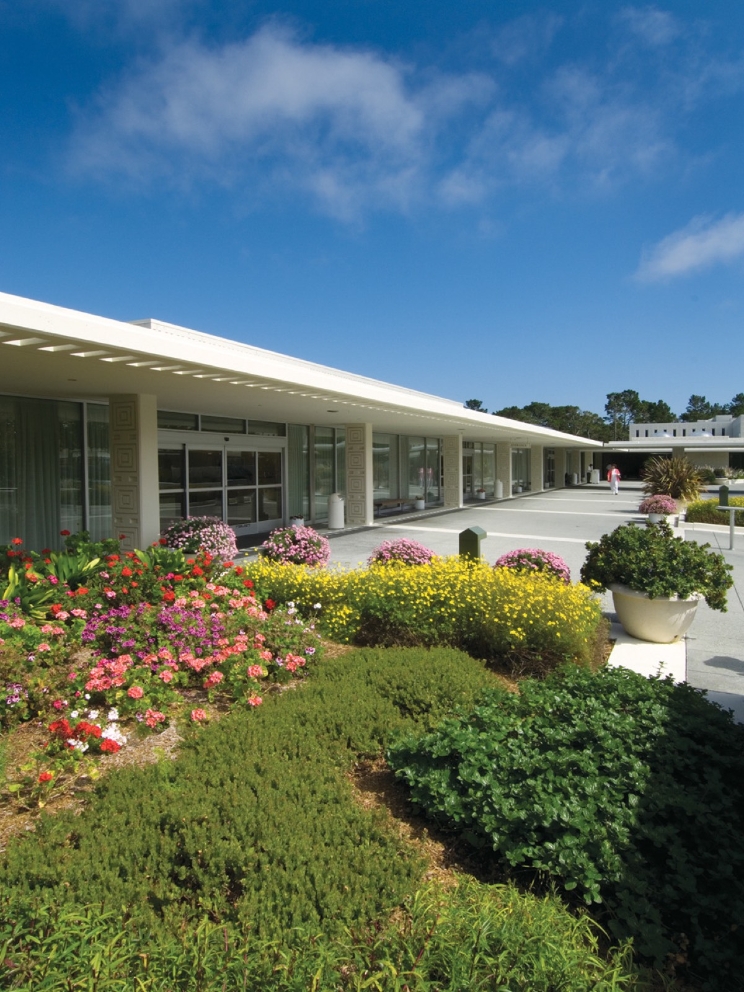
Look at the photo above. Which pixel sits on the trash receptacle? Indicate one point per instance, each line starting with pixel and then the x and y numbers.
pixel 499 489
pixel 574 478
pixel 470 542
pixel 594 476
pixel 335 512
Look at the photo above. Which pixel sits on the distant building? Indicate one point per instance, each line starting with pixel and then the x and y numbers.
pixel 717 442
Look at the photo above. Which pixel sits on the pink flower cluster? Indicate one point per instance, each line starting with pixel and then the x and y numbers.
pixel 535 560
pixel 404 550
pixel 297 546
pixel 658 504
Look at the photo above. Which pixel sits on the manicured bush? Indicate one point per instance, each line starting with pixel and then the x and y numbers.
pixel 626 790
pixel 703 511
pixel 296 546
pixel 535 560
pixel 403 550
pixel 208 534
pixel 519 620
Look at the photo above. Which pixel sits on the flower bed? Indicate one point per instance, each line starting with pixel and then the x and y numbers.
pixel 518 619
pixel 137 636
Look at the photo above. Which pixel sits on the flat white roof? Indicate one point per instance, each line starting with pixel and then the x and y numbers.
pixel 50 350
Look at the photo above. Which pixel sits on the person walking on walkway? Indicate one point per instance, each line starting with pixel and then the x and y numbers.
pixel 613 477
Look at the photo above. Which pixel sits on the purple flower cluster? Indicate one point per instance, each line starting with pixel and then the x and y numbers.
pixel 147 628
pixel 658 504
pixel 404 550
pixel 202 533
pixel 297 546
pixel 535 560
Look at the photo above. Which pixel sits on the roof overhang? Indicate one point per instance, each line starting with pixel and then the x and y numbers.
pixel 55 352
pixel 688 444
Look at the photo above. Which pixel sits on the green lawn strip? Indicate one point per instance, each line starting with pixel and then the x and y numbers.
pixel 247 864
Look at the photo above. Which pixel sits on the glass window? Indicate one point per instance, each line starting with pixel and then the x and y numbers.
pixel 241 468
pixel 241 507
pixel 520 469
pixel 298 470
pixel 323 459
pixel 385 466
pixel 269 504
pixel 99 471
pixel 169 420
pixel 269 468
pixel 416 467
pixel 341 460
pixel 223 425
pixel 266 428
pixel 70 425
pixel 205 503
pixel 205 468
pixel 171 509
pixel 433 470
pixel 170 468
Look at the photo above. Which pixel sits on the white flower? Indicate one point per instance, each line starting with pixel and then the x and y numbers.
pixel 113 733
pixel 77 745
pixel 92 714
pixel 87 695
pixel 317 606
pixel 74 715
pixel 113 714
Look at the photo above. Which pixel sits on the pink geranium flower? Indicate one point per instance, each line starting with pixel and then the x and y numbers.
pixel 135 692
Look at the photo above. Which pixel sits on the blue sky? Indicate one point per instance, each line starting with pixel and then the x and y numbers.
pixel 508 201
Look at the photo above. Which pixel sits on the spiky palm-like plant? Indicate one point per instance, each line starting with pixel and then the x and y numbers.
pixel 675 477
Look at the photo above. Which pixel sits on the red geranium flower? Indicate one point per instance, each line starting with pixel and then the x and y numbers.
pixel 64 533
pixel 269 604
pixel 111 746
pixel 17 540
pixel 46 776
pixel 248 583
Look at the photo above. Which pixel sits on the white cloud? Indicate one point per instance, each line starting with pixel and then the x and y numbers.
pixel 704 242
pixel 654 27
pixel 345 124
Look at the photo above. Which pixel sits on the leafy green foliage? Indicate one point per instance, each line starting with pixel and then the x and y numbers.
pixel 649 559
pixel 627 790
pixel 675 477
pixel 464 939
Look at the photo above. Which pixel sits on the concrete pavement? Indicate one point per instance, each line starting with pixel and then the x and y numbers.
pixel 562 521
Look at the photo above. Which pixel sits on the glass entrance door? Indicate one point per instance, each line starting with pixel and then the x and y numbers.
pixel 242 486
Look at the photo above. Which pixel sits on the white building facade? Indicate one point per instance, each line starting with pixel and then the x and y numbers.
pixel 121 428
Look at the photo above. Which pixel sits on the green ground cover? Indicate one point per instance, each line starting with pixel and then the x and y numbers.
pixel 247 863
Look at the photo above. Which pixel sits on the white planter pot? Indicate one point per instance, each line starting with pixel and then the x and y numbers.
pixel 656 518
pixel 481 495
pixel 660 620
pixel 420 504
pixel 296 521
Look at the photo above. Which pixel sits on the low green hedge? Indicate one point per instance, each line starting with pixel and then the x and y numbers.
pixel 247 864
pixel 625 790
pixel 703 511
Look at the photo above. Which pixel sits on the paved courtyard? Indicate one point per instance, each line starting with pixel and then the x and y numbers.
pixel 563 521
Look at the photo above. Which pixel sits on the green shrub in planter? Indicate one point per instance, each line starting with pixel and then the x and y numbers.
pixel 627 790
pixel 651 560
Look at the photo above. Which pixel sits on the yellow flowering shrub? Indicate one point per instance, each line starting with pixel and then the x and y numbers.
pixel 525 620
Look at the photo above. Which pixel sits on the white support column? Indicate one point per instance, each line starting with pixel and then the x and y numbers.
pixel 560 468
pixel 679 452
pixel 536 468
pixel 360 507
pixel 504 467
pixel 452 460
pixel 135 502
